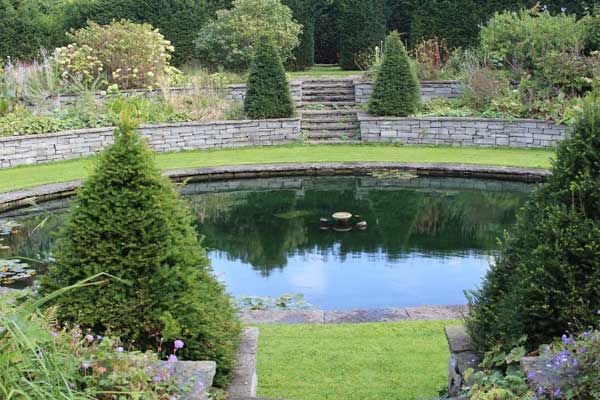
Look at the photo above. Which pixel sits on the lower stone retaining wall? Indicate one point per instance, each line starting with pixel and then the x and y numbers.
pixel 478 132
pixel 429 90
pixel 33 149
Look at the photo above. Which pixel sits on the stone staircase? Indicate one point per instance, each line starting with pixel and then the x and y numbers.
pixel 330 126
pixel 330 93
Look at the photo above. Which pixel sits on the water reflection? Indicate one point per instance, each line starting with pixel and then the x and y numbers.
pixel 427 239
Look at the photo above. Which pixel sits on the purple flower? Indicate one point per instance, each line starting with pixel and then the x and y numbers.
pixel 173 397
pixel 89 338
pixel 98 337
pixel 119 349
pixel 566 339
pixel 556 393
pixel 85 365
pixel 172 358
pixel 179 344
pixel 156 378
pixel 575 363
pixel 531 375
pixel 540 390
pixel 544 8
pixel 54 334
pixel 75 334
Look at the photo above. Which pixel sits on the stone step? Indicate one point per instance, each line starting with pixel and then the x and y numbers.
pixel 324 119
pixel 337 134
pixel 328 113
pixel 331 91
pixel 327 84
pixel 330 126
pixel 327 99
pixel 333 141
pixel 329 104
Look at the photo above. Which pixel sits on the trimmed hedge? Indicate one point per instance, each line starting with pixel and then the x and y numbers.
pixel 268 93
pixel 361 26
pixel 304 14
pixel 128 221
pixel 546 280
pixel 396 90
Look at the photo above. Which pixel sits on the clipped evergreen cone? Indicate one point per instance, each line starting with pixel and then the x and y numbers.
pixel 396 91
pixel 267 92
pixel 128 221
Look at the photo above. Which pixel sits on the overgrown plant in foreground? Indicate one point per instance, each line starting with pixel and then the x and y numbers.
pixel 127 220
pixel 396 90
pixel 268 93
pixel 546 280
pixel 41 361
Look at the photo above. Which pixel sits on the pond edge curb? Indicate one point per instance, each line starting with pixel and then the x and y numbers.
pixel 26 197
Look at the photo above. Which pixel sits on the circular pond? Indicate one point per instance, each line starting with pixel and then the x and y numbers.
pixel 425 240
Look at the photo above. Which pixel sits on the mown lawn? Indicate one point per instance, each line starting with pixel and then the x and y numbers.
pixel 30 176
pixel 380 361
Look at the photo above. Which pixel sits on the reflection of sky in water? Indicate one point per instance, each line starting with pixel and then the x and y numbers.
pixel 359 282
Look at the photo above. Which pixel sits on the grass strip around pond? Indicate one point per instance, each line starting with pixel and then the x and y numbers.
pixel 394 361
pixel 34 175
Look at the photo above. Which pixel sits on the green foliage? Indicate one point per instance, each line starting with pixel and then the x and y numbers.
pixel 268 93
pixel 546 279
pixel 361 27
pixel 326 32
pixel 231 39
pixel 127 54
pixel 591 34
pixel 127 220
pixel 396 90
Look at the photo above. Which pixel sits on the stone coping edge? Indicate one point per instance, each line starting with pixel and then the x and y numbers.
pixel 110 129
pixel 245 380
pixel 355 316
pixel 364 116
pixel 27 197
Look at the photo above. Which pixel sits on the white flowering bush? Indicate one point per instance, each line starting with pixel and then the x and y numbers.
pixel 123 53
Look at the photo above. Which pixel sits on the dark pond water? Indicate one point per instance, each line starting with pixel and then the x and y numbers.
pixel 427 239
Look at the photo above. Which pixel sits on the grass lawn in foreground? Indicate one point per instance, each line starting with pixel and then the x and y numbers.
pixel 379 361
pixel 35 175
pixel 323 72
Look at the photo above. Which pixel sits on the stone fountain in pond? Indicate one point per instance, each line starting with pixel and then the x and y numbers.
pixel 342 222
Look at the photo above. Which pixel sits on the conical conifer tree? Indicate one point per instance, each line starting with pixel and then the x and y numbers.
pixel 268 93
pixel 546 280
pixel 396 91
pixel 128 221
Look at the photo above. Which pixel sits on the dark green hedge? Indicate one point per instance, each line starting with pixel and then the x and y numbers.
pixel 362 26
pixel 304 14
pixel 268 93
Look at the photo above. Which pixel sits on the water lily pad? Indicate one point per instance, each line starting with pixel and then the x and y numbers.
pixel 12 271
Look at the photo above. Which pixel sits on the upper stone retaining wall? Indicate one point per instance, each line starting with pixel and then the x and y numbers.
pixel 34 149
pixel 480 132
pixel 238 92
pixel 429 90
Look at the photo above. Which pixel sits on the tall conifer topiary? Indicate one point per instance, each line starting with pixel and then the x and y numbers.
pixel 128 221
pixel 268 93
pixel 546 280
pixel 396 90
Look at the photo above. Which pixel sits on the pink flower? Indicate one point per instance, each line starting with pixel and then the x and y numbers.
pixel 179 344
pixel 119 349
pixel 172 358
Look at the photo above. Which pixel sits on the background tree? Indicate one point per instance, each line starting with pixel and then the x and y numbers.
pixel 268 93
pixel 231 39
pixel 128 221
pixel 396 90
pixel 546 280
pixel 304 13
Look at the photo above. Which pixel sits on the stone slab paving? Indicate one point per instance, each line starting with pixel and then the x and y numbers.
pixel 245 380
pixel 353 316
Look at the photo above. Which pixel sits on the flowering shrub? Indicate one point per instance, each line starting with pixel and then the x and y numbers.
pixel 78 63
pixel 127 54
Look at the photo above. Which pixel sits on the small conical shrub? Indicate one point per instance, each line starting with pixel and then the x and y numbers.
pixel 396 90
pixel 128 221
pixel 546 280
pixel 268 93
